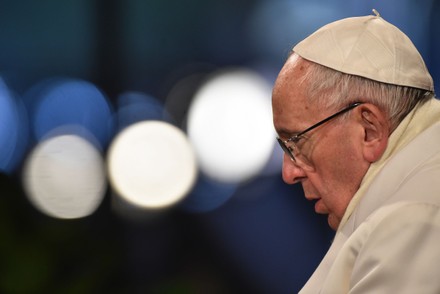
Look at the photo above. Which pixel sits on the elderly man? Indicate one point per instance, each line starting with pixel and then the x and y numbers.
pixel 355 112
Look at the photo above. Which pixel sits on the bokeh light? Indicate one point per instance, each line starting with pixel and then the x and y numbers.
pixel 230 125
pixel 57 102
pixel 13 129
pixel 151 164
pixel 64 177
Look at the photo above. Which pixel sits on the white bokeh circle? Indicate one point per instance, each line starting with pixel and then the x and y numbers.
pixel 152 164
pixel 230 125
pixel 64 177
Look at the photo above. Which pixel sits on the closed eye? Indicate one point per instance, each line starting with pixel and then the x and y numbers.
pixel 296 138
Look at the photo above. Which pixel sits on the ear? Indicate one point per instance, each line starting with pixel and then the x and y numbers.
pixel 376 128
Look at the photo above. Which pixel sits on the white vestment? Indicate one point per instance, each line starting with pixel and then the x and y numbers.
pixel 389 238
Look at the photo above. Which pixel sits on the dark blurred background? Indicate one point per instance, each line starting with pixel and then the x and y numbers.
pixel 265 238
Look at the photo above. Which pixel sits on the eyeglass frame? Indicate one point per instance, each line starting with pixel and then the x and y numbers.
pixel 295 138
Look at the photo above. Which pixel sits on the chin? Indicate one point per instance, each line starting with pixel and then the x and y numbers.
pixel 333 222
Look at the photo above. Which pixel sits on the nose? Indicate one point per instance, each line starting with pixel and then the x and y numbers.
pixel 291 172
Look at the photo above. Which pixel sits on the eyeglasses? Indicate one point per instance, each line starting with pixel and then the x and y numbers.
pixel 290 145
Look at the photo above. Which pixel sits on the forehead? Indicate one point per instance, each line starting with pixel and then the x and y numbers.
pixel 292 110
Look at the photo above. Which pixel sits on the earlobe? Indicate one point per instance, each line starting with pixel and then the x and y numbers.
pixel 376 132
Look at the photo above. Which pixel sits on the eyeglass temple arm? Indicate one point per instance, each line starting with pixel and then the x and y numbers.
pixel 329 118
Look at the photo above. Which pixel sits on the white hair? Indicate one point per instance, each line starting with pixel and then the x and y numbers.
pixel 334 89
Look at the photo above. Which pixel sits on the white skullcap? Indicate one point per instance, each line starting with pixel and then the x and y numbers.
pixel 369 47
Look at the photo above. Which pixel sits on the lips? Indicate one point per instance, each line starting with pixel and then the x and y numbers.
pixel 311 197
pixel 320 207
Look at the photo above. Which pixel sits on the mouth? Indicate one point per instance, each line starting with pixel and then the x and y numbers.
pixel 320 207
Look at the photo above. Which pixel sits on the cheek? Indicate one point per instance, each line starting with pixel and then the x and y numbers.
pixel 338 173
pixel 337 153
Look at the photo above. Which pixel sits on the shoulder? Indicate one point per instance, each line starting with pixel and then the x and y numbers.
pixel 398 243
pixel 392 251
pixel 398 220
